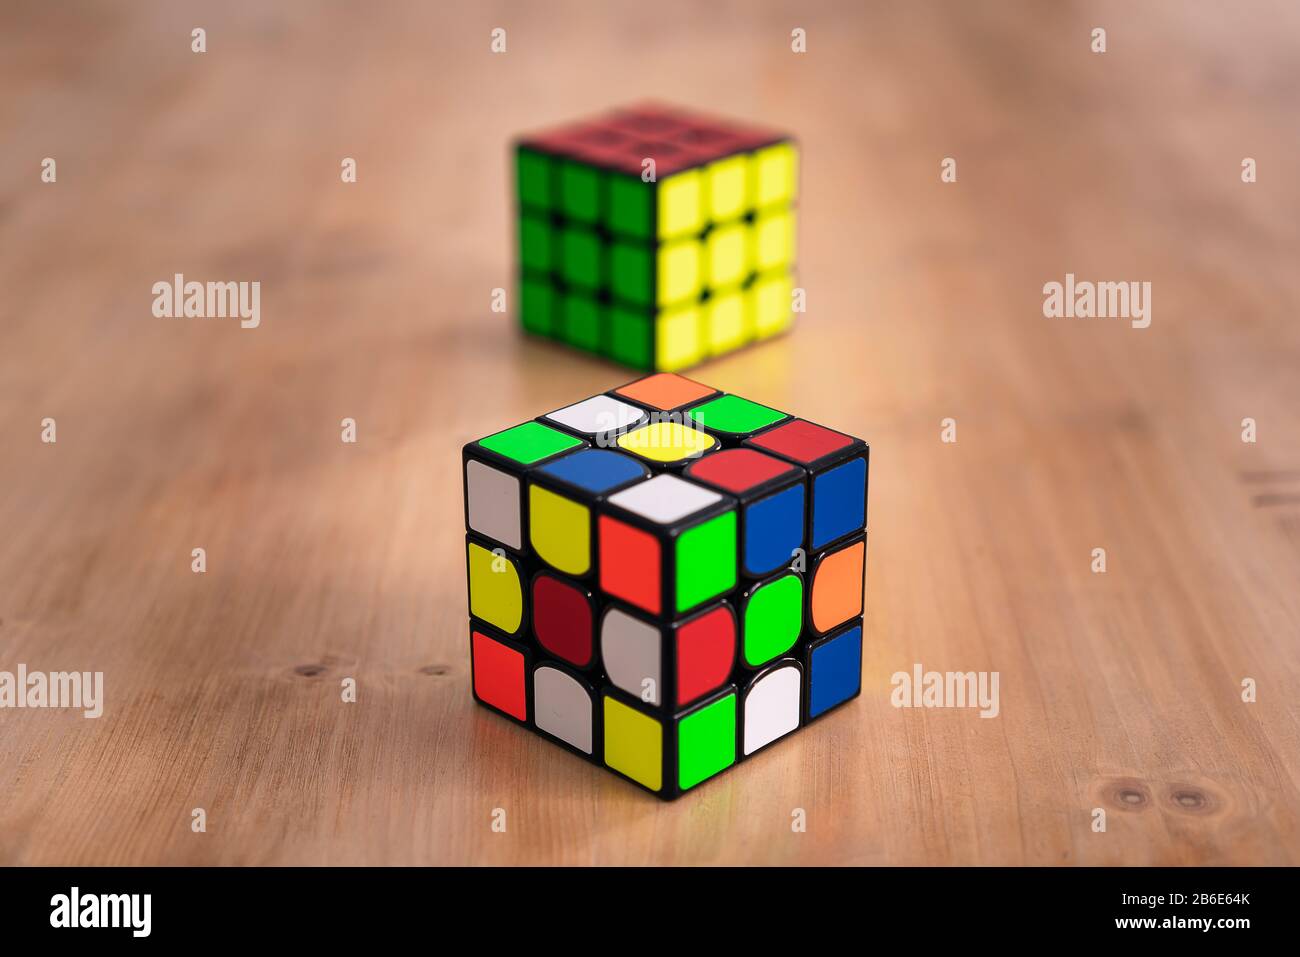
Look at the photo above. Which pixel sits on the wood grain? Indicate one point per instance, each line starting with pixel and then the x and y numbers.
pixel 325 560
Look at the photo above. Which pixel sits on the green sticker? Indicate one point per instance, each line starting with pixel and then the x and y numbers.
pixel 631 338
pixel 581 322
pixel 528 443
pixel 631 273
pixel 534 178
pixel 731 413
pixel 706 742
pixel 580 251
pixel 537 311
pixel 706 560
pixel 773 619
pixel 631 207
pixel 535 243
pixel 580 192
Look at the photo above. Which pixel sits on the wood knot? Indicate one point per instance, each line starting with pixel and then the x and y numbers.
pixel 1191 800
pixel 435 670
pixel 310 671
pixel 1128 794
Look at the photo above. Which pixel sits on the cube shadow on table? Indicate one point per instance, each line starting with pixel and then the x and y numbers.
pixel 665 579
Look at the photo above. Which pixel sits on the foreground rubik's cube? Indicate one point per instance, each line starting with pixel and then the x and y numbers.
pixel 657 274
pixel 665 579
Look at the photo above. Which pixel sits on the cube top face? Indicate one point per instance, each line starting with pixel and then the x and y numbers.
pixel 594 471
pixel 665 578
pixel 665 499
pixel 656 237
pixel 677 139
pixel 806 443
pixel 665 391
pixel 529 443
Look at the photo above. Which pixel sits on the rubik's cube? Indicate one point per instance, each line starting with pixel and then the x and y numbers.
pixel 665 579
pixel 656 237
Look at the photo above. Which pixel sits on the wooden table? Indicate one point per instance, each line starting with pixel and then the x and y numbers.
pixel 325 560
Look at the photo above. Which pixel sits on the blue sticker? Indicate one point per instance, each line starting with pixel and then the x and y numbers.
pixel 595 470
pixel 835 671
pixel 839 502
pixel 773 530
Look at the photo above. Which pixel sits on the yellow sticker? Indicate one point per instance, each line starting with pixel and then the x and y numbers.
pixel 560 530
pixel 634 744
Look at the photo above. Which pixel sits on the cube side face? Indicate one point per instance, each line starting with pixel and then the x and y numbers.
pixel 585 248
pixel 654 237
pixel 637 581
pixel 726 252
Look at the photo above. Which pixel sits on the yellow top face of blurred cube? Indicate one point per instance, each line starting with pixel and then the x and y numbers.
pixel 680 278
pixel 728 187
pixel 727 253
pixel 774 175
pixel 681 204
pixel 773 240
pixel 667 441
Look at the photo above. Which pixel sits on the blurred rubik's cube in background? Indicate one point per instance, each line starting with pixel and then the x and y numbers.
pixel 665 579
pixel 656 237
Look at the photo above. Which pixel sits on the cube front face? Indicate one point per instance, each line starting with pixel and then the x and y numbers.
pixel 651 583
pixel 656 237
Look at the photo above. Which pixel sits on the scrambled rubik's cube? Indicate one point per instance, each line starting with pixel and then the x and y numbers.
pixel 656 237
pixel 665 579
